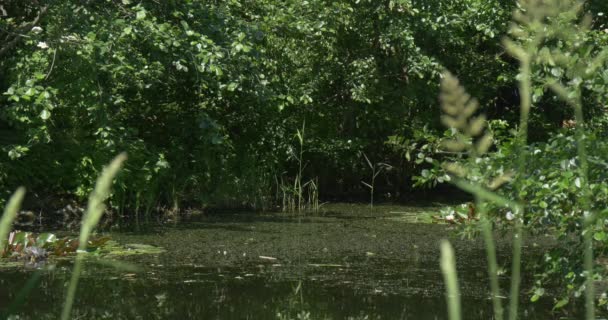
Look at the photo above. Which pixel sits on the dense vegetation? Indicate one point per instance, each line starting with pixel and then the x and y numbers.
pixel 227 103
pixel 206 97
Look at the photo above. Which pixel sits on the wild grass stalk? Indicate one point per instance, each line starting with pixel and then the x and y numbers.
pixel 585 198
pixel 9 215
pixel 448 268
pixel 95 210
pixel 536 23
pixel 459 110
pixel 488 237
pixel 525 93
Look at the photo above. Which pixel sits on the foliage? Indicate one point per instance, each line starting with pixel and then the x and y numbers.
pixel 203 95
pixel 558 184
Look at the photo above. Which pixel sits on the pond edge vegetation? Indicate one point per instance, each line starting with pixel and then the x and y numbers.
pixel 535 21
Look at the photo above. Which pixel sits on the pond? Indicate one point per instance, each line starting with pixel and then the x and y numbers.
pixel 343 263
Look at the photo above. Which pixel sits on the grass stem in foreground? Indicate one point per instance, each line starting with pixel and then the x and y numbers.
pixel 95 209
pixel 448 268
pixel 10 213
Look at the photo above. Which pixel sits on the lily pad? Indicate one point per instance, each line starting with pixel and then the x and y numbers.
pixel 26 246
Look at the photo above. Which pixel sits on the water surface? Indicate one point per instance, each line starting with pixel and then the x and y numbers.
pixel 344 263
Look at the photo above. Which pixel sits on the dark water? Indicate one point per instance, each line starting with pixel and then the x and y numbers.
pixel 350 264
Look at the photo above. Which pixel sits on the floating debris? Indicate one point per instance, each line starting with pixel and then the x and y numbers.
pixel 268 258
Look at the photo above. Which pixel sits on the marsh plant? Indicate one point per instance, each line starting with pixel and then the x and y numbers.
pixel 289 194
pixel 551 40
pixel 375 170
pixel 299 196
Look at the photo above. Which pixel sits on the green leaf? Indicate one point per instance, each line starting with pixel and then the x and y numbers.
pixel 561 303
pixel 44 238
pixel 539 292
pixel 141 14
pixel 232 86
pixel 45 114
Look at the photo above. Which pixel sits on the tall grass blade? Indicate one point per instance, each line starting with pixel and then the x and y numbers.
pixel 516 270
pixel 448 268
pixel 585 202
pixel 486 230
pixel 10 213
pixel 525 90
pixel 95 209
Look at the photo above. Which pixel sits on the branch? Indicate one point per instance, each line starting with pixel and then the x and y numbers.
pixel 24 29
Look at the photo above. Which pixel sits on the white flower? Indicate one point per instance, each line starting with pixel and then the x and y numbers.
pixel 450 217
pixel 510 216
pixel 36 30
pixel 42 45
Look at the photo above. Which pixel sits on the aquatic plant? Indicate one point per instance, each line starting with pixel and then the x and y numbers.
pixel 20 241
pixel 298 196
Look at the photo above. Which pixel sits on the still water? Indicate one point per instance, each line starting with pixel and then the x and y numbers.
pixel 345 263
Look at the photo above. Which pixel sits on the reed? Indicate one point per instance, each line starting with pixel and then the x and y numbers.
pixel 375 170
pixel 300 158
pixel 295 200
pixel 299 196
